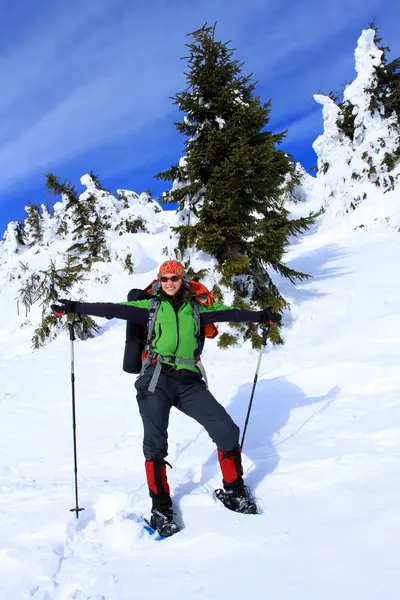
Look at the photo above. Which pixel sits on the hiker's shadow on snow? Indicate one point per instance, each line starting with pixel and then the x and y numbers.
pixel 273 402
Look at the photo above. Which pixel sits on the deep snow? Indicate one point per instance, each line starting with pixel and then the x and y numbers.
pixel 321 453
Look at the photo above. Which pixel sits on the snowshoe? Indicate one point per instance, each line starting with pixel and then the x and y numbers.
pixel 163 522
pixel 239 500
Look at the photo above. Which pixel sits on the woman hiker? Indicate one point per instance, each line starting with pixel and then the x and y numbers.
pixel 172 375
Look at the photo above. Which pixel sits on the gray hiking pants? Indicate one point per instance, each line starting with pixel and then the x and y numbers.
pixel 192 398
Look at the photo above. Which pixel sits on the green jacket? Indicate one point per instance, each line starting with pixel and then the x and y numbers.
pixel 175 329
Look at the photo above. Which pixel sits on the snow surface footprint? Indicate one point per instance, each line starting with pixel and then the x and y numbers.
pixel 103 533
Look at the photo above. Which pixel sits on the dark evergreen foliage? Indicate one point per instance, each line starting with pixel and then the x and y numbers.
pixel 234 178
pixel 131 225
pixel 33 224
pixel 123 199
pixel 20 233
pixel 97 182
pixel 385 95
pixel 66 189
pixel 346 119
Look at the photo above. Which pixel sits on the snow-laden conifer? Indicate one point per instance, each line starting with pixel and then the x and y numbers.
pixel 44 287
pixel 14 240
pixel 233 184
pixel 360 144
pixel 91 219
pixel 33 224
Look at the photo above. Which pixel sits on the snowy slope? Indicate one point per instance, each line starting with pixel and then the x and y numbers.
pixel 321 453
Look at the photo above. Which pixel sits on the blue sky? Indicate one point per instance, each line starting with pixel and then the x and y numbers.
pixel 86 84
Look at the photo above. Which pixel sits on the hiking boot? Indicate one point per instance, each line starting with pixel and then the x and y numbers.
pixel 241 500
pixel 163 522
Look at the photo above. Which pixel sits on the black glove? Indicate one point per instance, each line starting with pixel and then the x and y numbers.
pixel 270 317
pixel 67 308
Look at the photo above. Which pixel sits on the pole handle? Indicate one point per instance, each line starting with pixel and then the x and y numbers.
pixel 71 330
pixel 265 331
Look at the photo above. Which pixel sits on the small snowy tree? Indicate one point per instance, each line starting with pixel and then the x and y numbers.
pixel 130 224
pixel 96 182
pixel 380 97
pixel 137 212
pixel 33 224
pixel 89 224
pixel 123 198
pixel 14 239
pixel 45 287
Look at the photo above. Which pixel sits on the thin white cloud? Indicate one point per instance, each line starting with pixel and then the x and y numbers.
pixel 307 128
pixel 88 73
pixel 297 31
pixel 106 87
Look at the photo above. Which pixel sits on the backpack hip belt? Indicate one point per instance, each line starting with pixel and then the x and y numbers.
pixel 158 359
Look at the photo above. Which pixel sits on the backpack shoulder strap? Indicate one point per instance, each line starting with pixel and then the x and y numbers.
pixel 147 355
pixel 196 315
pixel 195 307
pixel 155 302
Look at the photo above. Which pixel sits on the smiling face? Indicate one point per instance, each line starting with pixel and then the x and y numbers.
pixel 168 285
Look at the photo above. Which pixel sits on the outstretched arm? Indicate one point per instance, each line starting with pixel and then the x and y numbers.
pixel 219 313
pixel 136 312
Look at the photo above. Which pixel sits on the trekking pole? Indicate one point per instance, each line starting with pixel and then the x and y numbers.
pixel 265 331
pixel 72 339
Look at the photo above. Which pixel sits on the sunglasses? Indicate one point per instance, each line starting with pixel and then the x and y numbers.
pixel 173 278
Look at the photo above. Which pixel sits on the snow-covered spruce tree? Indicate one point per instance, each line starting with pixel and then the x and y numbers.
pixel 14 240
pixel 130 221
pixel 90 224
pixel 46 286
pixel 33 224
pixel 137 214
pixel 96 182
pixel 385 94
pixel 233 182
pixel 384 89
pixel 360 145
